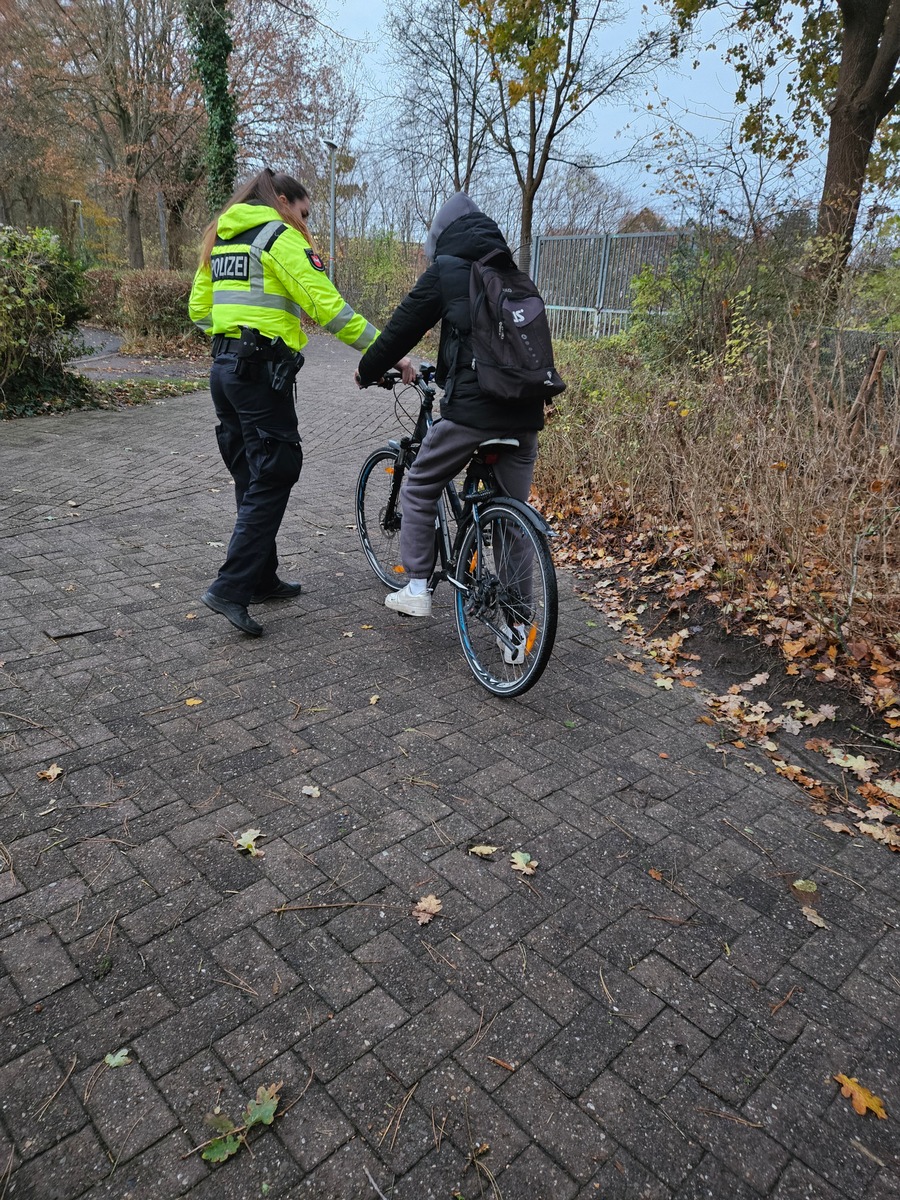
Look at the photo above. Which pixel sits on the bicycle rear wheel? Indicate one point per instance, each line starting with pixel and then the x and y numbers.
pixel 506 610
pixel 379 532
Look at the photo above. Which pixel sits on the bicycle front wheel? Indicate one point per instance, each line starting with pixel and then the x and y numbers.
pixel 506 607
pixel 378 516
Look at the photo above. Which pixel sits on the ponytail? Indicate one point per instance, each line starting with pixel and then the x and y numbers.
pixel 268 187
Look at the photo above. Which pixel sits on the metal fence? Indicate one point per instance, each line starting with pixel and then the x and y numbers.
pixel 587 280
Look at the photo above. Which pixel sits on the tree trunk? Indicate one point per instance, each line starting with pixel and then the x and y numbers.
pixel 524 255
pixel 133 238
pixel 850 139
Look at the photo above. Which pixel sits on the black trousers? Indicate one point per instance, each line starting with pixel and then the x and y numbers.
pixel 260 445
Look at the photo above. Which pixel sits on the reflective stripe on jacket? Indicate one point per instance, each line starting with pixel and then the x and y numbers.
pixel 262 274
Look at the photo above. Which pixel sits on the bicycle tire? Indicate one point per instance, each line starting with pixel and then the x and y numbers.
pixel 381 545
pixel 516 587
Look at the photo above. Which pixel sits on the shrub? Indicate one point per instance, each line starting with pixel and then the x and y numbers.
pixel 41 298
pixel 155 309
pixel 103 300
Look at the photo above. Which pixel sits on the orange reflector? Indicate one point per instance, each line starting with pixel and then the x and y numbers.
pixel 398 570
pixel 388 470
pixel 529 640
pixel 473 561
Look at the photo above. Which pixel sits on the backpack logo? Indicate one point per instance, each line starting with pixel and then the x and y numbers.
pixel 518 315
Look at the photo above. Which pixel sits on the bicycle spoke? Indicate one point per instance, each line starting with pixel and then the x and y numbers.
pixel 506 609
pixel 379 528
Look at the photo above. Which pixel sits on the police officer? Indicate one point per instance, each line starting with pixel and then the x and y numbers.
pixel 258 270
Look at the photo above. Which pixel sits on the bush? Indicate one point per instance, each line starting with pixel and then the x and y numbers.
pixel 155 310
pixel 103 299
pixel 42 292
pixel 374 274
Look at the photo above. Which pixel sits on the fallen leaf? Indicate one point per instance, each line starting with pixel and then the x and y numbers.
pixel 860 1097
pixel 881 833
pixel 662 682
pixel 311 790
pixel 655 873
pixel 805 885
pixel 857 763
pixel 522 861
pixel 890 786
pixel 838 827
pixel 247 843
pixel 483 851
pixel 374 699
pixel 813 917
pixel 755 767
pixel 427 908
pixel 53 772
pixel 193 702
pixel 119 1059
pixel 346 634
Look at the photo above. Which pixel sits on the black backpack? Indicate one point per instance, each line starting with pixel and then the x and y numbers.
pixel 512 353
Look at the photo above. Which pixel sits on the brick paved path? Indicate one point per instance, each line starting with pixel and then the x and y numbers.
pixel 671 1037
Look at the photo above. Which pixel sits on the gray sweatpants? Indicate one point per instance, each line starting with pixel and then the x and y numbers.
pixel 445 451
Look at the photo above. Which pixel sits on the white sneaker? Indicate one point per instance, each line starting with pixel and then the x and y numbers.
pixel 404 602
pixel 515 656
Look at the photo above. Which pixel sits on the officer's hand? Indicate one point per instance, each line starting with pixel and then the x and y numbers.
pixel 359 382
pixel 407 371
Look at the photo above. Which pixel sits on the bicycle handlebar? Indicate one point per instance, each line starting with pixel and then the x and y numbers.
pixel 391 378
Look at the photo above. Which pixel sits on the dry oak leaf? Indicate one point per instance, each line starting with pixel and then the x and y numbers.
pixel 193 702
pixel 655 873
pixel 427 908
pixel 839 827
pixel 53 772
pixel 860 1097
pixel 813 917
pixel 857 763
pixel 311 790
pixel 881 833
pixel 483 851
pixel 521 860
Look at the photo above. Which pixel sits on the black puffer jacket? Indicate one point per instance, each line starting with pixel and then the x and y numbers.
pixel 442 294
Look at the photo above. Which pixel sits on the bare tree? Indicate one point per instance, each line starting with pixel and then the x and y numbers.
pixel 548 72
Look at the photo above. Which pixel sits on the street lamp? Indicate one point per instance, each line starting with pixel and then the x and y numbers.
pixel 331 147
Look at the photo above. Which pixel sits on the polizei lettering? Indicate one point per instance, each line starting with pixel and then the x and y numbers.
pixel 230 266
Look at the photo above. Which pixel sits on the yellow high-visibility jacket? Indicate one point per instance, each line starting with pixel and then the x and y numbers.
pixel 262 272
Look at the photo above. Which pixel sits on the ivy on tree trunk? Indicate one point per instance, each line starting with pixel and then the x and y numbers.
pixel 209 25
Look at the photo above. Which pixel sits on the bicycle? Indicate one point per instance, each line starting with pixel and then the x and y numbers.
pixel 498 563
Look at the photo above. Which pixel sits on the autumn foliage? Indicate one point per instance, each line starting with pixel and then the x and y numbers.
pixel 771 491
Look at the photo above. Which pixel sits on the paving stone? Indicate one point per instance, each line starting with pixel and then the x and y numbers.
pixel 661 1053
pixel 622 1177
pixel 747 1152
pixel 583 1048
pixel 652 1135
pixel 339 1041
pixel 695 1002
pixel 634 1011
pixel 573 1140
pixel 70 1169
pixel 38 962
pixel 36 1119
pixel 427 1037
pixel 535 1176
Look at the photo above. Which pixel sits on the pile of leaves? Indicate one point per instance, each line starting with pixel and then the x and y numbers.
pixel 632 571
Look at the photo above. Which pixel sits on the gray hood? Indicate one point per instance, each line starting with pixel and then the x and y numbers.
pixel 457 206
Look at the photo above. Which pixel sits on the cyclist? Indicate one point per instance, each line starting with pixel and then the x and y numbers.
pixel 460 234
pixel 258 270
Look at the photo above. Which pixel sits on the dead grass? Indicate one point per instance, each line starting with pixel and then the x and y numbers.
pixel 778 482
